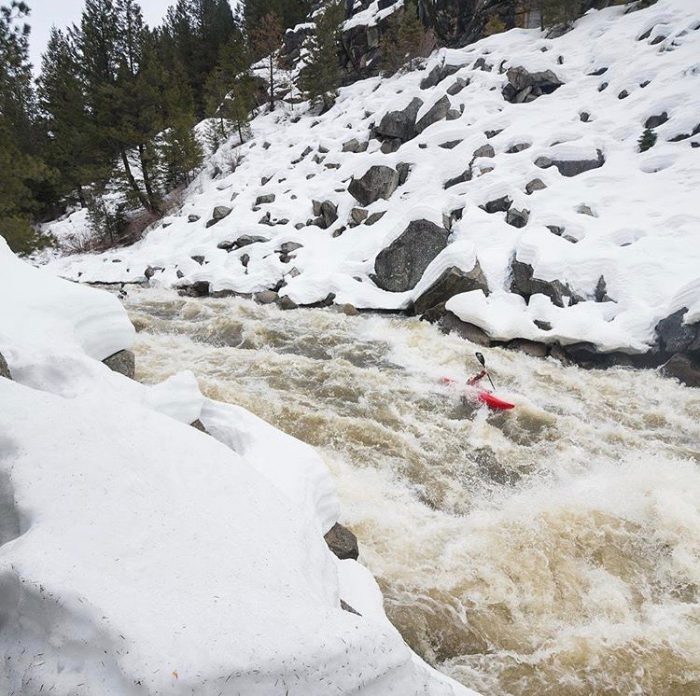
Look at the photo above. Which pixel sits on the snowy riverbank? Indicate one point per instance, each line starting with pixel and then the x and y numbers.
pixel 142 556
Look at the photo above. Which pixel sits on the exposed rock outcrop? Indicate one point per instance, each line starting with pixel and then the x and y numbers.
pixel 524 86
pixel 4 369
pixel 524 283
pixel 571 167
pixel 400 125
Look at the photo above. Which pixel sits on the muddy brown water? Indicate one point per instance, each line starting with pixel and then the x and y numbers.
pixel 551 550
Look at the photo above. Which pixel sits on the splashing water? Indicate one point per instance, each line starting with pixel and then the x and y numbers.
pixel 550 550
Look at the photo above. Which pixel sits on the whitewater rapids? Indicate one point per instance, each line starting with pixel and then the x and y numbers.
pixel 550 550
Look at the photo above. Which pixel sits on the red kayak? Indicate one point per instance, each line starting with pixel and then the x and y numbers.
pixel 486 397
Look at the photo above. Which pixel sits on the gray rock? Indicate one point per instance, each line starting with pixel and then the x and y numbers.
pixel 349 310
pixel 437 75
pixel 346 607
pixel 266 297
pixel 656 121
pixel 353 146
pixel 289 247
pixel 358 215
pixel 436 113
pixel 391 145
pixel 683 368
pixel 329 213
pixel 404 169
pixel 245 260
pixel 534 185
pixel 518 147
pixel 4 369
pixel 484 151
pixel 401 265
pixel 375 217
pixel 497 205
pixel 266 198
pixel 246 239
pixel 192 218
pixel 517 218
pixel 457 86
pixel 571 167
pixel 674 336
pixel 536 350
pixel 342 542
pixel 450 144
pixel 524 86
pixel 198 259
pixel 287 302
pixel 466 175
pixel 453 115
pixel 221 211
pixel 123 362
pixel 450 323
pixel 377 182
pixel 400 124
pixel 451 282
pixel 524 283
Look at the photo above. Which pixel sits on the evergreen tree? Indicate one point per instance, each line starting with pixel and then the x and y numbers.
pixel 405 40
pixel 230 90
pixel 320 77
pixel 289 12
pixel 557 11
pixel 266 40
pixel 647 140
pixel 20 168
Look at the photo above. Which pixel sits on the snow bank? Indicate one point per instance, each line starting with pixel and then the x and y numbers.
pixel 139 555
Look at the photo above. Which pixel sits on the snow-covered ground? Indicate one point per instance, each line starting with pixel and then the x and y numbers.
pixel 139 555
pixel 633 221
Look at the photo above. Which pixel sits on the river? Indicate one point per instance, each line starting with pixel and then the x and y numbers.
pixel 550 550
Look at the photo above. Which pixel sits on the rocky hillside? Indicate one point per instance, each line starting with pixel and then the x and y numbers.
pixel 499 188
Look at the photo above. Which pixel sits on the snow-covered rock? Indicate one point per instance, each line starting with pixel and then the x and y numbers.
pixel 139 555
pixel 584 202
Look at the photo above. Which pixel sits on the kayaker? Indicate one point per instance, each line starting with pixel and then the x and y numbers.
pixel 475 379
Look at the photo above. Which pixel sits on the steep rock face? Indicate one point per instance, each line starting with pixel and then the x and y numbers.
pixel 401 265
pixel 451 282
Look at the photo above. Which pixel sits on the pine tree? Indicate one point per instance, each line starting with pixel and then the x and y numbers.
pixel 320 77
pixel 647 140
pixel 405 40
pixel 266 40
pixel 20 167
pixel 289 12
pixel 557 11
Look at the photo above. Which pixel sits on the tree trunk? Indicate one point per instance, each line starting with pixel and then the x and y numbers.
pixel 152 202
pixel 81 196
pixel 272 85
pixel 143 200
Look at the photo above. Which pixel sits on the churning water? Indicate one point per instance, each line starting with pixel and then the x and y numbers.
pixel 553 550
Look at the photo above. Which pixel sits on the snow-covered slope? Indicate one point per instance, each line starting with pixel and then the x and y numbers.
pixel 632 221
pixel 139 555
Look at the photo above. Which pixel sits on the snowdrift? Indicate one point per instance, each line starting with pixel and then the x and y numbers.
pixel 139 555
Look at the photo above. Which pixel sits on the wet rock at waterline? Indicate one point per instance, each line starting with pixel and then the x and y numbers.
pixel 401 265
pixel 123 362
pixel 451 282
pixel 342 542
pixel 683 367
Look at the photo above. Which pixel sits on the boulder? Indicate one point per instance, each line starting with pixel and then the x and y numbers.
pixel 266 198
pixel 571 167
pixel 534 185
pixel 287 302
pixel 457 86
pixel 517 218
pixel 192 218
pixel 674 336
pixel 435 113
pixel 220 212
pixel 450 323
pixel 375 217
pixel 401 265
pixel 289 247
pixel 400 124
pixel 358 215
pixel 452 281
pixel 466 175
pixel 524 86
pixel 656 120
pixel 684 368
pixel 326 213
pixel 484 151
pixel 342 542
pixel 4 369
pixel 438 74
pixel 536 350
pixel 353 146
pixel 123 362
pixel 497 205
pixel 246 239
pixel 524 283
pixel 266 297
pixel 379 181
